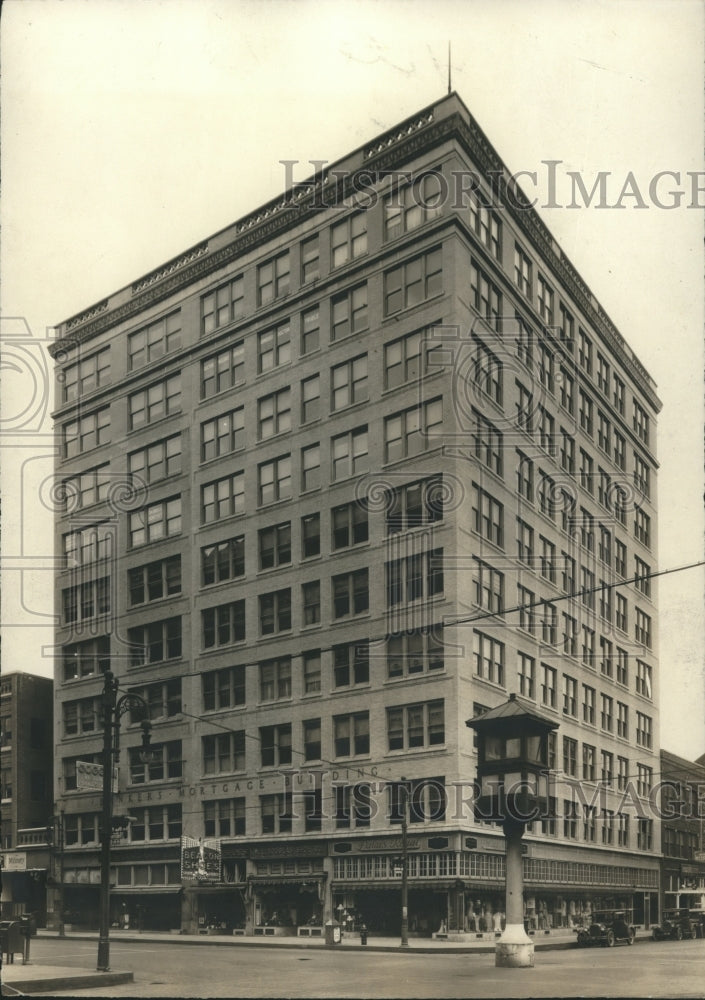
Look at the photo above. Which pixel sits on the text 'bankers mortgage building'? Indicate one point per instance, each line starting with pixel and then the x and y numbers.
pixel 334 481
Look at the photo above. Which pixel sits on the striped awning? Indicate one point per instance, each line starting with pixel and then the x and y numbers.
pixel 287 879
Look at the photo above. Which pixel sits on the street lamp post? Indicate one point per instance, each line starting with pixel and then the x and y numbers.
pixel 512 772
pixel 55 835
pixel 404 865
pixel 113 708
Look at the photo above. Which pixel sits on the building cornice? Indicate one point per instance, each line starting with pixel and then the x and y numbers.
pixel 416 135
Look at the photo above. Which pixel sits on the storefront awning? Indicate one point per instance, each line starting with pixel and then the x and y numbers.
pixel 415 884
pixel 287 879
pixel 151 890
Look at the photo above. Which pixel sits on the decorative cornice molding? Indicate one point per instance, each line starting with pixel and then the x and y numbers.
pixel 401 143
pixel 173 265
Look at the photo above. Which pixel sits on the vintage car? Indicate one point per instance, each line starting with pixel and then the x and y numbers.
pixel 676 925
pixel 606 929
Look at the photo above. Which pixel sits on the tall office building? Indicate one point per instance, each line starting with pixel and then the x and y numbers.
pixel 340 477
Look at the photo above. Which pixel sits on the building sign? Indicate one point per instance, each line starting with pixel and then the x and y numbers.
pixel 298 850
pixel 89 777
pixel 699 856
pixel 14 862
pixel 388 844
pixel 201 860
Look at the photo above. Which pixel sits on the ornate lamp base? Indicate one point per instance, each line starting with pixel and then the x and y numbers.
pixel 515 949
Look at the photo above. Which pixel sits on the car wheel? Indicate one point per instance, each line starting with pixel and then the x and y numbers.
pixel 609 940
pixel 679 933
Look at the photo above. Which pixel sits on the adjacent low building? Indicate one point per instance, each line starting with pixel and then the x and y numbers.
pixel 26 780
pixel 335 480
pixel 682 832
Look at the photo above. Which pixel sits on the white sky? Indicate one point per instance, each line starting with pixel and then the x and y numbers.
pixel 131 130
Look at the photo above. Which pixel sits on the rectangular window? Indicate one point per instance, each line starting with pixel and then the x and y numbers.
pixel 351 734
pixel 84 659
pixel 275 545
pixel 548 559
pixel 570 696
pixel 348 383
pixel 488 658
pixel 223 688
pixel 89 431
pixel 157 521
pixel 415 652
pixel 642 527
pixel 223 624
pixel 154 341
pixel 310 262
pixel 90 545
pixel 86 375
pixel 310 535
pixel 522 271
pixel 606 716
pixel 167 764
pixel 607 770
pixel 312 739
pixel 275 612
pixel 570 756
pixel 416 504
pixel 642 475
pixel 644 728
pixel 622 720
pixel 348 239
pixel 643 679
pixel 486 371
pixel 275 679
pixel 525 477
pixel 225 818
pixel 585 352
pixel 312 671
pixel 620 613
pixel 589 762
pixel 603 374
pixel 588 705
pixel 485 296
pixel 410 206
pixel 351 593
pixel 604 433
pixel 567 451
pixel 349 524
pixel 275 745
pixel 406 359
pixel 547 430
pixel 413 282
pixel 276 813
pixel 415 577
pixel 310 399
pixel 622 773
pixel 546 363
pixel 526 607
pixel 311 602
pixel 310 329
pixel 524 407
pixel 273 279
pixel 273 414
pixel 351 663
pixel 585 412
pixel 618 394
pixel 485 223
pixel 545 301
pixel 640 422
pixel 88 488
pixel 223 434
pixel 349 312
pixel 526 668
pixel 274 480
pixel 488 516
pixel 274 347
pixel 622 666
pixel 224 305
pixel 223 498
pixel 410 727
pixel 548 686
pixel 488 587
pixel 160 400
pixel 349 453
pixel 413 431
pixel 570 635
pixel 487 442
pixel 223 561
pixel 310 468
pixel 163 700
pixel 223 370
pixel 525 542
pixel 157 461
pixel 154 581
pixel 567 391
pixel 549 623
pixel 155 642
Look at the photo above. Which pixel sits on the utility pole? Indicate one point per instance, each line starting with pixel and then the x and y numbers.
pixel 404 866
pixel 112 711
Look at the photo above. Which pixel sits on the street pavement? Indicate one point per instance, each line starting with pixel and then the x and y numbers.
pixel 173 968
